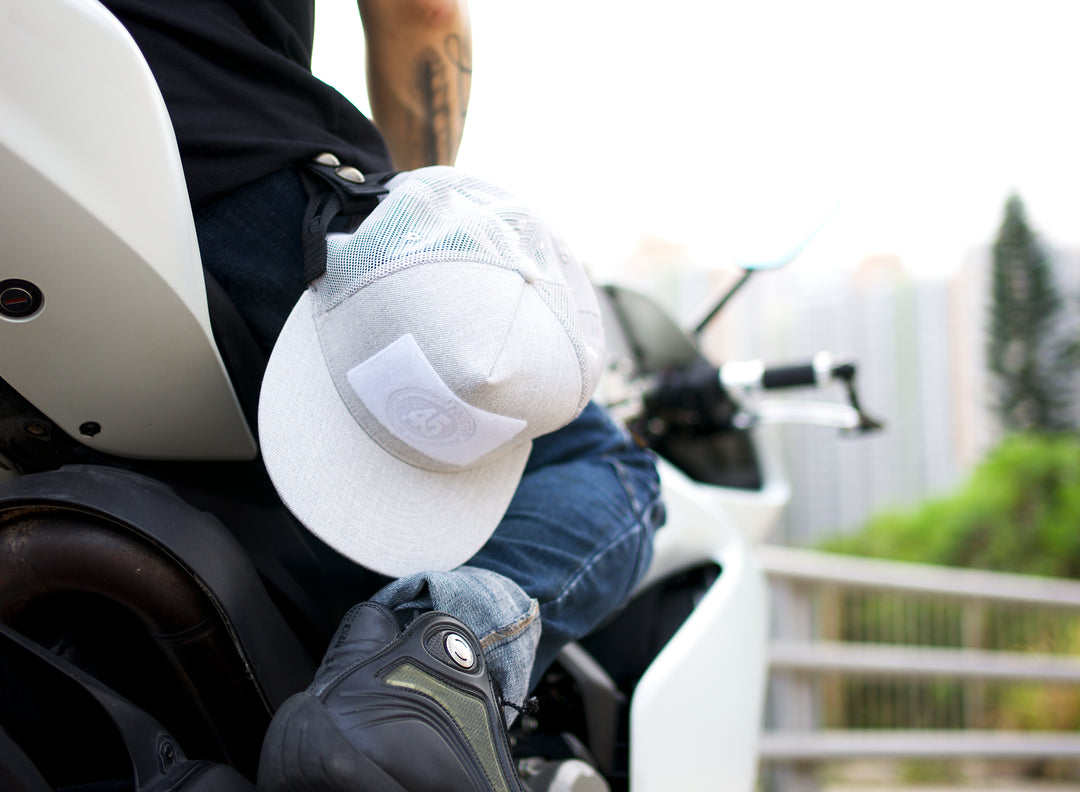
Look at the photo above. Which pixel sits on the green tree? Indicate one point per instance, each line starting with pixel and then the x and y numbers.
pixel 1033 368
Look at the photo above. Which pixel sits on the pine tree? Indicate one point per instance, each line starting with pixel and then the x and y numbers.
pixel 1032 368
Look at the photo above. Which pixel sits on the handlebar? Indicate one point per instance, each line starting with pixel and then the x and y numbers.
pixel 754 374
pixel 699 399
pixel 788 377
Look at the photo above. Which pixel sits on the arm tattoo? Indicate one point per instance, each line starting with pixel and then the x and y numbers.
pixel 435 99
pixel 460 55
pixel 433 81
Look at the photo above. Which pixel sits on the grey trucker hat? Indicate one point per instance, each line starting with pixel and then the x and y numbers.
pixel 400 402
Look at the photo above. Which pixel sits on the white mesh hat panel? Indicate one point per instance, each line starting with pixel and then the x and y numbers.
pixel 439 215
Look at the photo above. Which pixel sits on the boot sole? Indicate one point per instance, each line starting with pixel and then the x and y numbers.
pixel 304 751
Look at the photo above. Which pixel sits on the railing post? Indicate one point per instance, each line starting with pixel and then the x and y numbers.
pixel 792 702
pixel 833 621
pixel 973 628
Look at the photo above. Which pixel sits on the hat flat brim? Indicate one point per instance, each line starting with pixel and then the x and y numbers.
pixel 382 513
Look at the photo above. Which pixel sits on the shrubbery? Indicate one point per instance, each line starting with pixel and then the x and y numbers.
pixel 1018 512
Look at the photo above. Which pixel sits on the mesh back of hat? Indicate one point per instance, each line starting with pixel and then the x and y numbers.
pixel 439 215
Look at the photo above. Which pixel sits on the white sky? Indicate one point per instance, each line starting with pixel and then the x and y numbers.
pixel 703 121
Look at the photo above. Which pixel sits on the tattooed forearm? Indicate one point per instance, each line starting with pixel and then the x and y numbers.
pixel 419 71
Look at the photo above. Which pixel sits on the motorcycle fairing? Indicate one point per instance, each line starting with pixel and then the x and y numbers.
pixel 95 215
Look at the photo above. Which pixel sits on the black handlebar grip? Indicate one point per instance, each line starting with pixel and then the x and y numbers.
pixel 789 376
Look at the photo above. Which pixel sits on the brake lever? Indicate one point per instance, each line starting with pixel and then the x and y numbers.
pixel 846 374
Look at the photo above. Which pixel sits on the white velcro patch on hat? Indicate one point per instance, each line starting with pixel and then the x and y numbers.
pixel 404 393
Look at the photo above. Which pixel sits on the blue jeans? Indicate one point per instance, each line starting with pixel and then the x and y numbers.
pixel 577 535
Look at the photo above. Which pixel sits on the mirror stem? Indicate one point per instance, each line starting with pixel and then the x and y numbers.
pixel 722 302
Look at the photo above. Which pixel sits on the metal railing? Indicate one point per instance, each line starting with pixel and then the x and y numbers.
pixel 877 659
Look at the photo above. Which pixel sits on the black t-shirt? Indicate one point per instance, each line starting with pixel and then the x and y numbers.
pixel 236 78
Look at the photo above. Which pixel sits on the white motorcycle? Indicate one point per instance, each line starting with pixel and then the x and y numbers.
pixel 157 603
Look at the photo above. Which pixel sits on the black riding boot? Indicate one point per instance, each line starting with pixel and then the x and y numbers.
pixel 392 710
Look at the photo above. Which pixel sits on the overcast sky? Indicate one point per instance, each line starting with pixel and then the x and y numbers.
pixel 702 122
